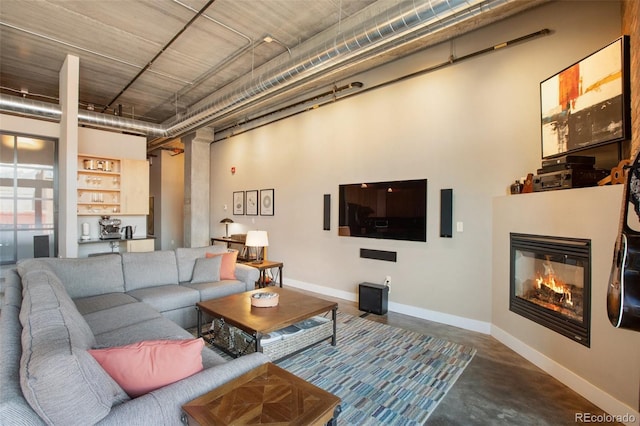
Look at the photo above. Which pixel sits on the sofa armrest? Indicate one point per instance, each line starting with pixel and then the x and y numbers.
pixel 247 274
pixel 164 405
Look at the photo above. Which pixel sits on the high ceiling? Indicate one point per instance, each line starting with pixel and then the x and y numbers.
pixel 157 60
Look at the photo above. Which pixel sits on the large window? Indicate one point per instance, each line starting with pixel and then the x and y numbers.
pixel 28 197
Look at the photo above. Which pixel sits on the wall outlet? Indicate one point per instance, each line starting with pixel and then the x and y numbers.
pixel 387 280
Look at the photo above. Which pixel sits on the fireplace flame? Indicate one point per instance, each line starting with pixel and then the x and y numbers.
pixel 558 286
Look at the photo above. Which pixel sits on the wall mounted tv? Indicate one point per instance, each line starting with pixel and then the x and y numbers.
pixel 394 210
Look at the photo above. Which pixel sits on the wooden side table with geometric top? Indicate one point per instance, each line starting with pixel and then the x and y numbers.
pixel 265 395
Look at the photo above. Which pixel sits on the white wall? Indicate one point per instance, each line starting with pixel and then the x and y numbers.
pixel 473 127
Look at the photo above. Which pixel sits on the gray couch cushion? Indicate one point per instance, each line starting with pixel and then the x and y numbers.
pixel 61 381
pixel 214 290
pixel 167 297
pixel 12 289
pixel 14 409
pixel 186 258
pixel 117 317
pixel 84 277
pixel 44 294
pixel 206 270
pixel 66 385
pixel 152 329
pixel 149 269
pixel 87 305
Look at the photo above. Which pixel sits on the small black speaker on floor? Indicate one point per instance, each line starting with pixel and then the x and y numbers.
pixel 446 213
pixel 326 224
pixel 373 298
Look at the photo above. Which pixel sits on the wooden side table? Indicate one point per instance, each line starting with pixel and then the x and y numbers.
pixel 263 266
pixel 265 395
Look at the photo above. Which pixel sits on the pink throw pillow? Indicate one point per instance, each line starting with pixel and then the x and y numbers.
pixel 228 265
pixel 142 367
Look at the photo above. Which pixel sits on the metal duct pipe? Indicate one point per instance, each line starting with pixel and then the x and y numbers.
pixel 405 22
pixel 121 123
pixel 51 111
pixel 30 107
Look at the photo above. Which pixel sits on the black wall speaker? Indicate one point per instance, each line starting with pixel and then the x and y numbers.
pixel 446 213
pixel 389 256
pixel 40 246
pixel 373 298
pixel 326 223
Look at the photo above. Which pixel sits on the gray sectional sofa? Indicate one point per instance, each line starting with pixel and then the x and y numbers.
pixel 55 310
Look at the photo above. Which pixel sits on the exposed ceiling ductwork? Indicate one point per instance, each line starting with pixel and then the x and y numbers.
pixel 49 111
pixel 377 29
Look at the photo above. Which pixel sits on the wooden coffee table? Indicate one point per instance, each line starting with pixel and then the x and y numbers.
pixel 293 307
pixel 265 395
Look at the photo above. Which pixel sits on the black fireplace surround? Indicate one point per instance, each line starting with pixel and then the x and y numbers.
pixel 550 283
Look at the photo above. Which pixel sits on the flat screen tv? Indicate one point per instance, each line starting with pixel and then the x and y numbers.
pixel 394 210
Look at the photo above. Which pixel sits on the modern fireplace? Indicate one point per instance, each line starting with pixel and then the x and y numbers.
pixel 551 283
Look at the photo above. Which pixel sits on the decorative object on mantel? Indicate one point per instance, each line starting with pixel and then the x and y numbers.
pixel 259 240
pixel 516 187
pixel 617 175
pixel 265 300
pixel 226 222
pixel 528 184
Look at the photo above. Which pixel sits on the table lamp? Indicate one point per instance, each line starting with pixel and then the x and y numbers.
pixel 226 222
pixel 257 239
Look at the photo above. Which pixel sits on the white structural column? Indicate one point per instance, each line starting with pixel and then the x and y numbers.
pixel 69 78
pixel 197 163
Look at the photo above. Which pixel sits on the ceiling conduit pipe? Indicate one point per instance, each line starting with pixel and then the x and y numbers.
pixel 407 21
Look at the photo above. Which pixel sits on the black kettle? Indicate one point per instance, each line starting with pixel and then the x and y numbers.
pixel 128 232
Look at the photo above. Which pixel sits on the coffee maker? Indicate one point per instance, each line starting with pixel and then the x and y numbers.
pixel 109 228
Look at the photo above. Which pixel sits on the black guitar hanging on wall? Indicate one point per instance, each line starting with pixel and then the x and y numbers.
pixel 623 293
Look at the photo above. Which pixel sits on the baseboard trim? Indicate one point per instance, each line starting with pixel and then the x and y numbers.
pixel 426 314
pixel 579 385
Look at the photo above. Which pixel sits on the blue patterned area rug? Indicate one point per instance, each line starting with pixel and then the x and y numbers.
pixel 383 374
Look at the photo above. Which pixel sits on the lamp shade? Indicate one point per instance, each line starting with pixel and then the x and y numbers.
pixel 257 239
pixel 226 220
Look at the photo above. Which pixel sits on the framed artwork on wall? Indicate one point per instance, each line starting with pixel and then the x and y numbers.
pixel 588 103
pixel 252 202
pixel 266 202
pixel 238 202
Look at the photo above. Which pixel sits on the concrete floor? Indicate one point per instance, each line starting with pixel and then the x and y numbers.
pixel 498 387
